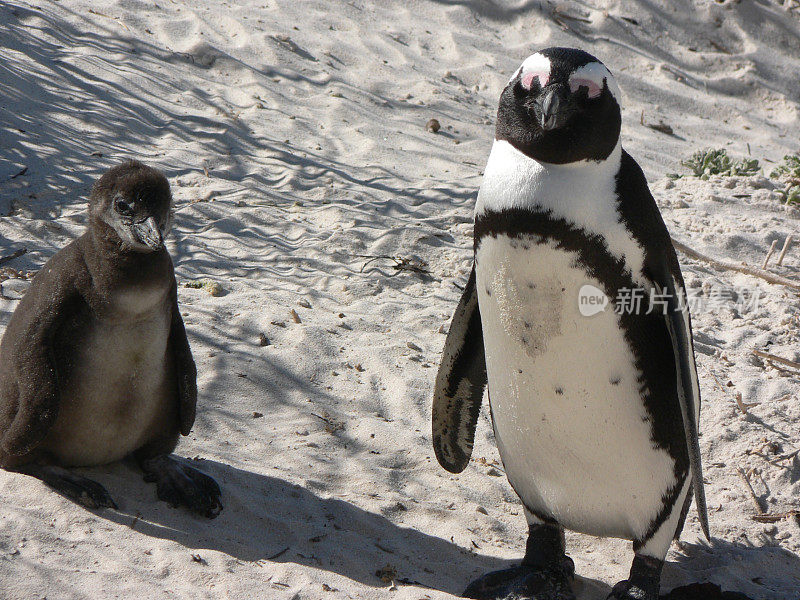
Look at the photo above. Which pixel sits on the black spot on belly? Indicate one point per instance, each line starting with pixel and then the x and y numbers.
pixel 526 325
pixel 614 381
pixel 524 340
pixel 519 371
pixel 531 285
pixel 559 391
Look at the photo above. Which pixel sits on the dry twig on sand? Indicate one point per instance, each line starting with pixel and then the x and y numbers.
pixel 769 254
pixel 777 359
pixel 775 517
pixel 750 489
pixel 762 516
pixel 732 266
pixel 743 406
pixel 786 245
pixel 400 264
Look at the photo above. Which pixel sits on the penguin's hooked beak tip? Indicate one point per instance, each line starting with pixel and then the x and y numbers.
pixel 551 110
pixel 149 234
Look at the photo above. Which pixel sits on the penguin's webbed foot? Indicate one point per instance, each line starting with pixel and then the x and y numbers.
pixel 77 488
pixel 625 590
pixel 644 580
pixel 181 485
pixel 526 582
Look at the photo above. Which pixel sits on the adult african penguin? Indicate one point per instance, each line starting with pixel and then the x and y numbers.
pixel 95 365
pixel 595 412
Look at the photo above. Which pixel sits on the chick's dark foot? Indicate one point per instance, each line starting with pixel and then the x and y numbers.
pixel 182 485
pixel 526 582
pixel 77 488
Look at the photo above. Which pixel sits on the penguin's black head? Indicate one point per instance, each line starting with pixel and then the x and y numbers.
pixel 134 201
pixel 561 106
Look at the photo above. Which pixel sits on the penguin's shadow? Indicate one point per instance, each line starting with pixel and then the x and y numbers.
pixel 268 519
pixel 759 570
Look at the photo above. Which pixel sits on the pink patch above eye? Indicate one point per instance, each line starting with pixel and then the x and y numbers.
pixel 593 89
pixel 527 78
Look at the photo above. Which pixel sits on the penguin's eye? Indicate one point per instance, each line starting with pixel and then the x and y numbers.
pixel 123 208
pixel 531 78
pixel 593 90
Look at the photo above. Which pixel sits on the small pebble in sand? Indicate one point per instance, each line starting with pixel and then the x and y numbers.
pixel 295 316
pixel 213 288
pixel 263 340
pixel 413 346
pixel 304 303
pixel 433 126
pixel 257 415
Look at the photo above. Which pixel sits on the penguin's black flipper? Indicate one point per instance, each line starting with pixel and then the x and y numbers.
pixel 185 369
pixel 459 384
pixel 661 266
pixel 679 325
pixel 29 396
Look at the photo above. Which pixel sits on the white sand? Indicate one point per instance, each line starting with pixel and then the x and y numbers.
pixel 293 134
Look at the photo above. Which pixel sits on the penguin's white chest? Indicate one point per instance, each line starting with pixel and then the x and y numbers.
pixel 569 419
pixel 122 392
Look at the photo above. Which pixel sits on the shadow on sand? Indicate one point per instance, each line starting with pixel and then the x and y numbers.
pixel 269 519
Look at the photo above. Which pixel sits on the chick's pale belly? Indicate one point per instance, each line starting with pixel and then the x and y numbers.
pixel 570 423
pixel 120 396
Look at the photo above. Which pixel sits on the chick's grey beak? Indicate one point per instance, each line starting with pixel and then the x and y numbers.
pixel 551 113
pixel 149 234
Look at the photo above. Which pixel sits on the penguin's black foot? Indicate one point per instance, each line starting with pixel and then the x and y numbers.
pixel 625 590
pixel 182 485
pixel 79 489
pixel 526 582
pixel 643 583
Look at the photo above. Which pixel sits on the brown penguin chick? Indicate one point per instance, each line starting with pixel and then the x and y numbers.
pixel 94 364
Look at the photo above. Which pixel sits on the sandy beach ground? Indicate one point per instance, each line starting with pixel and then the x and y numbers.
pixel 307 186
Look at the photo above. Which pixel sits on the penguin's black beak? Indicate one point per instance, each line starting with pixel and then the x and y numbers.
pixel 148 233
pixel 552 113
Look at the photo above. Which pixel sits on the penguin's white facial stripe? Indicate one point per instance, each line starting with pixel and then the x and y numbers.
pixel 538 65
pixel 594 76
